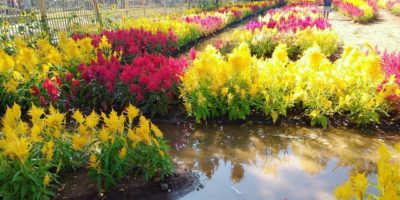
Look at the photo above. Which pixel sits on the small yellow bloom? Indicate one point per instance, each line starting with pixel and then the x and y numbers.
pixel 78 117
pixel 104 135
pixel 132 112
pixel 92 120
pixel 93 162
pixel 46 180
pixel 156 130
pixel 122 153
pixel 79 142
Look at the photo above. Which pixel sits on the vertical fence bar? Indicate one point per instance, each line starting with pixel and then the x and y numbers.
pixel 43 17
pixel 97 13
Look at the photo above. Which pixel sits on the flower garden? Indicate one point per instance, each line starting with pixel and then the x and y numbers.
pixel 87 100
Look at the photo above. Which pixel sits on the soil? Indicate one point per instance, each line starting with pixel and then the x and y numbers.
pixel 78 186
pixel 384 32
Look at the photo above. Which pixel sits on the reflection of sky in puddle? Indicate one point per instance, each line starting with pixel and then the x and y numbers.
pixel 261 162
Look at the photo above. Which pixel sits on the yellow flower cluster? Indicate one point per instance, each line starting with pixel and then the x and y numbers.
pixel 388 179
pixel 326 39
pixel 215 85
pixel 19 137
pixel 35 62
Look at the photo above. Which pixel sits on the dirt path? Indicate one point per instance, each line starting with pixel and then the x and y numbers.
pixel 384 32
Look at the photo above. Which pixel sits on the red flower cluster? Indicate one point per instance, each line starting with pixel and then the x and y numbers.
pixel 52 88
pixel 153 73
pixel 137 42
pixel 103 71
pixel 145 74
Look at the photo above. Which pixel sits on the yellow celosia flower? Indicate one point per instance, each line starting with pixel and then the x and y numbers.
pixel 114 122
pixel 93 162
pixel 104 44
pixel 132 112
pixel 156 131
pixel 79 142
pixel 122 153
pixel 143 131
pixel 16 148
pixel 48 150
pixel 46 180
pixel 12 116
pixel 55 119
pixel 104 135
pixel 92 120
pixel 240 58
pixel 35 113
pixel 133 137
pixel 78 117
pixel 11 85
pixel 6 62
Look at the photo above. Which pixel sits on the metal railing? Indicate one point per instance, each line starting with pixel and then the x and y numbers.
pixel 30 19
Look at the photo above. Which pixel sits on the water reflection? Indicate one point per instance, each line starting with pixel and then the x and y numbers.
pixel 261 162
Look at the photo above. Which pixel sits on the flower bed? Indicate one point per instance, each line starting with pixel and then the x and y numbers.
pixel 392 5
pixel 297 26
pixel 190 28
pixel 239 85
pixel 97 66
pixel 34 153
pixel 358 10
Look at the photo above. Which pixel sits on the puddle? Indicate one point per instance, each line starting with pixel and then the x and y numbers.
pixel 263 162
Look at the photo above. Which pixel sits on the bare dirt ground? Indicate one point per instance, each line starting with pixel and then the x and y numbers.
pixel 384 32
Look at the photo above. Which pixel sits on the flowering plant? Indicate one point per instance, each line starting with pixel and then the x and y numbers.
pixel 149 81
pixel 241 85
pixel 299 27
pixel 34 152
pixel 358 10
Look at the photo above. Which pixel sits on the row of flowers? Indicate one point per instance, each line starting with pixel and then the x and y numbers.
pixel 358 10
pixel 34 153
pixel 112 68
pixel 298 26
pixel 391 5
pixel 190 28
pixel 69 75
pixel 240 85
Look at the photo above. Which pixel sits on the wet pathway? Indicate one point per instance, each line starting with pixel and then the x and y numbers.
pixel 383 33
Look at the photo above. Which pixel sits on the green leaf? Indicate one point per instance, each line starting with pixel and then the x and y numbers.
pixel 323 121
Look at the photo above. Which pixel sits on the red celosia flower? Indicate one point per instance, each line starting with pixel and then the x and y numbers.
pixel 35 90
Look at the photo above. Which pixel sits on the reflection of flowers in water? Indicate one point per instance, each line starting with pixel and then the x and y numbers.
pixel 206 149
pixel 237 173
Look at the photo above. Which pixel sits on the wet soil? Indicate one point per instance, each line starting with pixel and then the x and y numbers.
pixel 295 116
pixel 78 186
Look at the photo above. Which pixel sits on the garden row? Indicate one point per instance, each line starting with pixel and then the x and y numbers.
pixel 361 86
pixel 392 5
pixel 358 10
pixel 132 64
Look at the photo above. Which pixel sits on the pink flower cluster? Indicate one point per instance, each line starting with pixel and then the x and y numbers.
pixel 290 20
pixel 208 23
pixel 390 63
pixel 349 8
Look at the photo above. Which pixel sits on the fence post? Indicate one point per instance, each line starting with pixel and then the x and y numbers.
pixel 97 13
pixel 43 17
